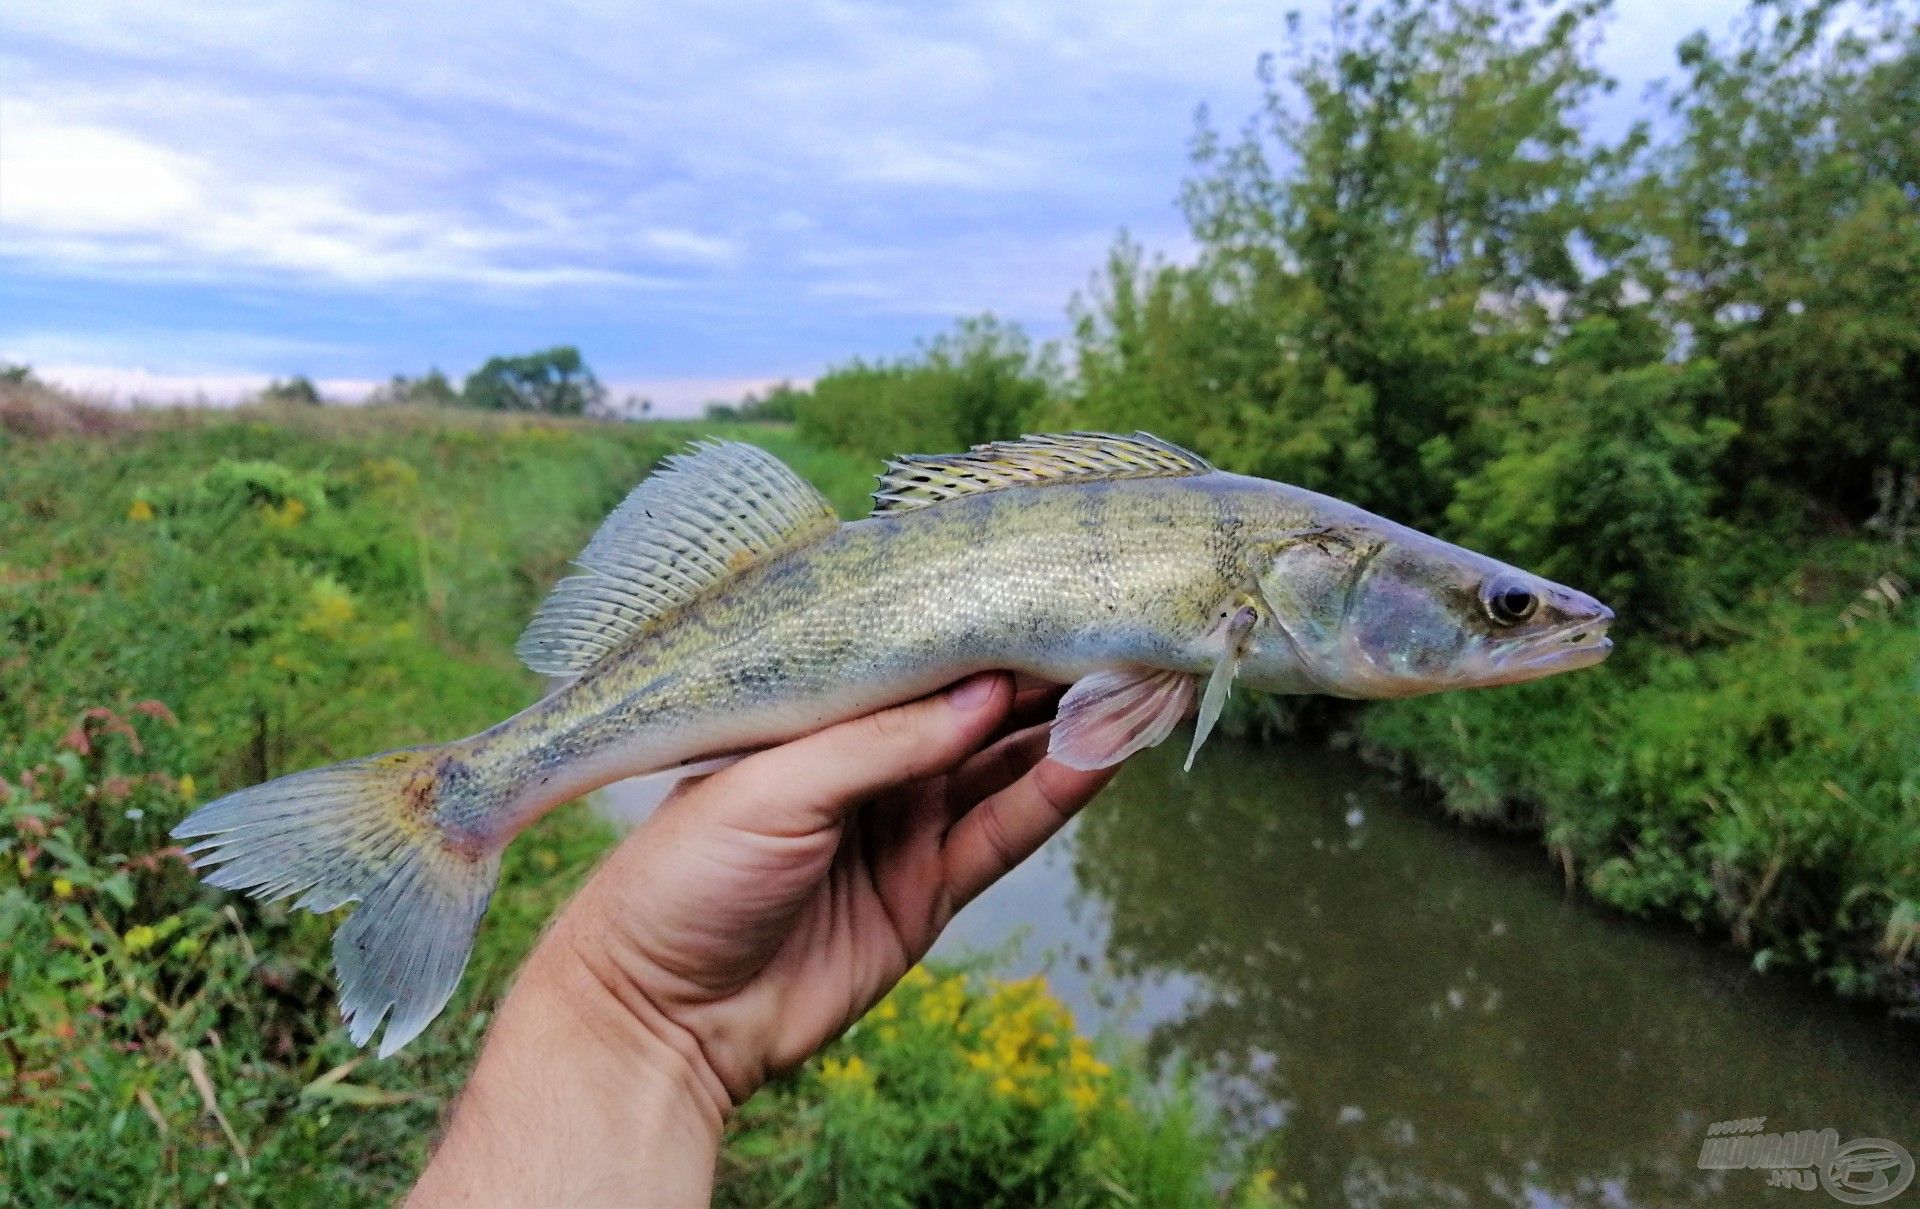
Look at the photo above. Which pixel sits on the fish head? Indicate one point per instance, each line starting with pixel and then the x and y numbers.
pixel 1374 609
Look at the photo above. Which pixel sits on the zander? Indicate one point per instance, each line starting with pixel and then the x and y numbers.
pixel 723 607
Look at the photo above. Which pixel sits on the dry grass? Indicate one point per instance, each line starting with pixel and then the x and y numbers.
pixel 34 410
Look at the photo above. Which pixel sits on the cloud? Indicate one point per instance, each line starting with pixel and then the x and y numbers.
pixel 686 187
pixel 106 199
pixel 119 385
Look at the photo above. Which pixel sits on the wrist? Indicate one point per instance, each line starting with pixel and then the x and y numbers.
pixel 573 1101
pixel 609 1021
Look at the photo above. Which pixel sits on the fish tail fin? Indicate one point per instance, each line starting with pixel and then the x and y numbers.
pixel 364 831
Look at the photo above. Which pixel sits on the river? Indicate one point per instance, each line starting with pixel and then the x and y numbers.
pixel 1422 1012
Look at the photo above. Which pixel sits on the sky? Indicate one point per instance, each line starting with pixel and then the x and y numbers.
pixel 704 197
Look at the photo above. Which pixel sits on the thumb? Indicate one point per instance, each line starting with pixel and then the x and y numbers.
pixel 812 783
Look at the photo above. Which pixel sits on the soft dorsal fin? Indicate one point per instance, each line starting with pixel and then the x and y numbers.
pixel 703 517
pixel 923 479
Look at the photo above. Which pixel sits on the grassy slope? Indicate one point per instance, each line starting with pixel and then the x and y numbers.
pixel 349 583
pixel 189 602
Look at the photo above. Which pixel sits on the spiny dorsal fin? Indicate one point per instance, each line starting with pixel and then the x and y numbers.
pixel 1078 457
pixel 703 517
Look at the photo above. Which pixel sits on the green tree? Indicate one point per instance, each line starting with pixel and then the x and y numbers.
pixel 298 390
pixel 779 405
pixel 1383 261
pixel 981 381
pixel 431 389
pixel 1605 478
pixel 1790 211
pixel 554 380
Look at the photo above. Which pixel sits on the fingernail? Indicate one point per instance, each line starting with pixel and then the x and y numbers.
pixel 972 693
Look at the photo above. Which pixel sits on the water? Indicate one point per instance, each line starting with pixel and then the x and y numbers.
pixel 1421 1011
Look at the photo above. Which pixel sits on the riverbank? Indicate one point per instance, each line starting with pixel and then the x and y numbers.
pixel 1419 1009
pixel 1763 787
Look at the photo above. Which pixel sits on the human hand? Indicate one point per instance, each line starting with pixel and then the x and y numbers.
pixel 752 919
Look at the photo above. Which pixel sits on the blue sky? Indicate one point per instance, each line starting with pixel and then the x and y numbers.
pixel 705 197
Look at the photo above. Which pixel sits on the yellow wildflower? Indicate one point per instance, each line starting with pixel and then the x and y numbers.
pixel 889 1033
pixel 287 515
pixel 188 790
pixel 329 608
pixel 140 937
pixel 980 1060
pixel 140 511
pixel 1081 1062
pixel 1005 1086
pixel 851 1073
pixel 1083 1096
pixel 62 888
pixel 887 1010
pixel 390 471
pixel 940 1006
pixel 917 978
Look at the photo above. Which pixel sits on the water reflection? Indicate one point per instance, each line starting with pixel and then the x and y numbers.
pixel 1428 1016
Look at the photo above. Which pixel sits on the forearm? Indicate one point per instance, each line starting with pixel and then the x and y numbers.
pixel 571 1104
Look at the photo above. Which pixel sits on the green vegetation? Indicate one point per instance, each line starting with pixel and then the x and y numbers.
pixel 297 390
pixel 191 602
pixel 1679 370
pixel 778 406
pixel 431 389
pixel 957 1090
pixel 977 383
pixel 555 381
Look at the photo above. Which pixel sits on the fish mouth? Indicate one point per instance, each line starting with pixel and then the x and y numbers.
pixel 1569 648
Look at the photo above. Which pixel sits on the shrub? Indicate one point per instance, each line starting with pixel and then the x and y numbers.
pixel 959 1090
pixel 983 381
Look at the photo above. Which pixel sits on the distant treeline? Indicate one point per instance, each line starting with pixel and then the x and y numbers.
pixel 1680 369
pixel 552 381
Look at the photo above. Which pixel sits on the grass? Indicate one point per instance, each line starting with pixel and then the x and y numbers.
pixel 193 601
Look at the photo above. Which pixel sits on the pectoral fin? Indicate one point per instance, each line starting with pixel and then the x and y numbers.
pixel 1107 716
pixel 1220 683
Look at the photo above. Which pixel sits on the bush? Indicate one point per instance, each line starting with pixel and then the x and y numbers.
pixel 957 1090
pixel 1606 481
pixel 298 391
pixel 983 381
pixel 429 390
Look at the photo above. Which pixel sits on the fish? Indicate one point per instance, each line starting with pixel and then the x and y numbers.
pixel 723 607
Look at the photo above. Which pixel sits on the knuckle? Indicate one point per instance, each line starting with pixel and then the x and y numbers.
pixel 893 726
pixel 993 833
pixel 1053 798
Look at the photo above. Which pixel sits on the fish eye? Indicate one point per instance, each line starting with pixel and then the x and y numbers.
pixel 1510 603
